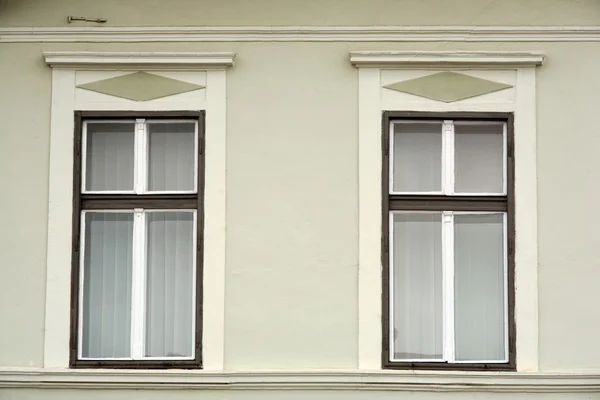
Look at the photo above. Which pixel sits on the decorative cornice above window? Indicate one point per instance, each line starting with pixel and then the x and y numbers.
pixel 137 60
pixel 442 59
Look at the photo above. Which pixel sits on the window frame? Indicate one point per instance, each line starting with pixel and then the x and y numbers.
pixel 441 202
pixel 148 201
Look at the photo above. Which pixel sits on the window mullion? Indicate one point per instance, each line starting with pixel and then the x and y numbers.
pixel 138 290
pixel 141 156
pixel 448 285
pixel 448 157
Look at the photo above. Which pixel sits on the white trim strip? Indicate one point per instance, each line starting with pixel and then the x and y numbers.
pixel 302 34
pixel 140 157
pixel 138 291
pixel 137 60
pixel 448 285
pixel 507 382
pixel 444 59
pixel 81 269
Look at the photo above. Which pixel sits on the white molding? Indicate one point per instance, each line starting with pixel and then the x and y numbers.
pixel 137 60
pixel 302 380
pixel 370 107
pixel 303 33
pixel 444 59
pixel 369 232
pixel 526 238
pixel 60 212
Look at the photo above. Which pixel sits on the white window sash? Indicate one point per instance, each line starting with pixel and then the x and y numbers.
pixel 139 284
pixel 141 159
pixel 448 164
pixel 448 336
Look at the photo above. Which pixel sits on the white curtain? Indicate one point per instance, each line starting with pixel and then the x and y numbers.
pixel 417 157
pixel 479 287
pixel 171 156
pixel 479 165
pixel 170 284
pixel 417 272
pixel 107 284
pixel 109 156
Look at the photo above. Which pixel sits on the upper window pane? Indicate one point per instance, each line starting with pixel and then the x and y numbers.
pixel 172 156
pixel 109 156
pixel 417 157
pixel 479 158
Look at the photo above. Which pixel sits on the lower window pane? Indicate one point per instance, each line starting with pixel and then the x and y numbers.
pixel 417 286
pixel 479 305
pixel 170 284
pixel 106 320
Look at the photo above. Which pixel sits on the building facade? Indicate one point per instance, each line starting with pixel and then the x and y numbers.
pixel 255 199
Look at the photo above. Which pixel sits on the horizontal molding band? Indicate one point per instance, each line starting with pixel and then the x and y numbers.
pixel 303 33
pixel 415 59
pixel 303 380
pixel 136 60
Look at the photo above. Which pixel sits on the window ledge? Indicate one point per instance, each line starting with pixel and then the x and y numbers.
pixel 137 60
pixel 444 59
pixel 508 382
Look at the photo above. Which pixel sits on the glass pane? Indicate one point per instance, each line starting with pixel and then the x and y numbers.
pixel 107 284
pixel 170 285
pixel 109 156
pixel 172 156
pixel 417 157
pixel 479 287
pixel 417 286
pixel 479 158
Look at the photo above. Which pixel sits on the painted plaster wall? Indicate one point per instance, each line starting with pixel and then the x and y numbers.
pixel 312 12
pixel 291 277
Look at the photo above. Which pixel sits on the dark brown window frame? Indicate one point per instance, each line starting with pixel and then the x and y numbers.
pixel 448 203
pixel 112 201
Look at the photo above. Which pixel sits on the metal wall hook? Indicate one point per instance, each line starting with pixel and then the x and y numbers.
pixel 84 19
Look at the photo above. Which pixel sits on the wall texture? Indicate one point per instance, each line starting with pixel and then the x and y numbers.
pixel 311 12
pixel 292 186
pixel 291 284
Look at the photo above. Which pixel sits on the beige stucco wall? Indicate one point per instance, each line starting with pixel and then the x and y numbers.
pixel 310 12
pixel 292 183
pixel 291 277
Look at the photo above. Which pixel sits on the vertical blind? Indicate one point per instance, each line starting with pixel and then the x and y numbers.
pixel 171 156
pixel 109 156
pixel 478 158
pixel 448 269
pixel 478 280
pixel 107 284
pixel 170 284
pixel 479 287
pixel 417 157
pixel 167 317
pixel 417 260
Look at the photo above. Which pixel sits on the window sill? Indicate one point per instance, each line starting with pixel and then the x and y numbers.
pixel 428 381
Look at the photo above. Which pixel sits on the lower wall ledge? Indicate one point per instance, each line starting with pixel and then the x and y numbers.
pixel 511 382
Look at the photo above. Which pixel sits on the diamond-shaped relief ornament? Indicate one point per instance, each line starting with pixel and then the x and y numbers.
pixel 447 86
pixel 140 86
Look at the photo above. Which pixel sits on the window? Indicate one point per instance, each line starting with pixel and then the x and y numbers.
pixel 448 241
pixel 137 249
